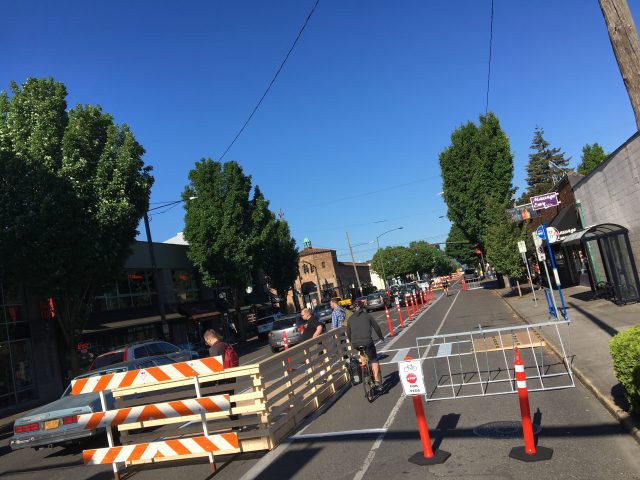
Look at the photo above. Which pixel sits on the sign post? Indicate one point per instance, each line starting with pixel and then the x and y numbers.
pixel 413 385
pixel 539 235
pixel 553 266
pixel 522 247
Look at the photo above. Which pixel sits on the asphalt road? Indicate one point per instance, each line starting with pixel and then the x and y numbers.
pixel 353 439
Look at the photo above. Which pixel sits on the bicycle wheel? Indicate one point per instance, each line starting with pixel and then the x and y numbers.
pixel 367 383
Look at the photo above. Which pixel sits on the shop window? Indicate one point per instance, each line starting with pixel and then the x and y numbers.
pixel 133 288
pixel 185 285
pixel 324 265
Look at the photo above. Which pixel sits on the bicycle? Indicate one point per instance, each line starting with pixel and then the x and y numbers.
pixel 370 390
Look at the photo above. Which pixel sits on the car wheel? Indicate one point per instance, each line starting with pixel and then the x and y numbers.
pixel 275 349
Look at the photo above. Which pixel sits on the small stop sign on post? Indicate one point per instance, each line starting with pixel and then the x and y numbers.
pixel 412 378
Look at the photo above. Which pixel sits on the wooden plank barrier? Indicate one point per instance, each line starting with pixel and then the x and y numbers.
pixel 242 409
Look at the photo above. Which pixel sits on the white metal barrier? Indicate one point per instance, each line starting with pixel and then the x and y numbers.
pixel 480 362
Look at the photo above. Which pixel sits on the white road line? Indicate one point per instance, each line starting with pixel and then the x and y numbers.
pixel 376 445
pixel 312 436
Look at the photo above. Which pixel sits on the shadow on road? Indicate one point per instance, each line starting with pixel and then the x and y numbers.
pixel 290 463
pixel 447 423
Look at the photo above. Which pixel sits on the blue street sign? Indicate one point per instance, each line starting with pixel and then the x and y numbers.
pixel 541 232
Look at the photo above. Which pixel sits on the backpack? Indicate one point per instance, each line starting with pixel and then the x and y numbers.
pixel 230 357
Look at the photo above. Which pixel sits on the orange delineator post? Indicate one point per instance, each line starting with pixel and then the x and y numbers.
pixel 427 456
pixel 415 302
pixel 413 306
pixel 528 453
pixel 406 305
pixel 422 298
pixel 386 311
pixel 400 316
pixel 286 346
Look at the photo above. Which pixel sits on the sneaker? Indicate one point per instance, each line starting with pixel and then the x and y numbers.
pixel 377 386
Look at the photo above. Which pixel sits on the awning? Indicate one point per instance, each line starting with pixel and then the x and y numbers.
pixel 594 232
pixel 566 222
pixel 133 322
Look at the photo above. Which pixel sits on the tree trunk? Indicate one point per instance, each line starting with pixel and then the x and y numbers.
pixel 626 47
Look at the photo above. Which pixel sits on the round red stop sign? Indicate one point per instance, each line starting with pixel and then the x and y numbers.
pixel 411 378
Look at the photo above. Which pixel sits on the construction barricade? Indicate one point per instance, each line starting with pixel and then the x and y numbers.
pixel 199 409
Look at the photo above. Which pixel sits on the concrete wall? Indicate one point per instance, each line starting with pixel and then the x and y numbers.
pixel 611 193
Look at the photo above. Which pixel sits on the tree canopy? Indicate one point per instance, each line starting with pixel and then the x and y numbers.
pixel 74 188
pixel 546 166
pixel 592 156
pixel 501 240
pixel 477 165
pixel 281 263
pixel 419 256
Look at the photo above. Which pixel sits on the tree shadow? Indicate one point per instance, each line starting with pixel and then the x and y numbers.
pixel 619 397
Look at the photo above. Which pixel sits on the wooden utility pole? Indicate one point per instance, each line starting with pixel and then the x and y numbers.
pixel 626 47
pixel 355 269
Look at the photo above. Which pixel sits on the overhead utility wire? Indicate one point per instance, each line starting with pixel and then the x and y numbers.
pixel 486 107
pixel 255 109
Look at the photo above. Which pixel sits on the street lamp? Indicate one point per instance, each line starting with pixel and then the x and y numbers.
pixel 154 268
pixel 384 279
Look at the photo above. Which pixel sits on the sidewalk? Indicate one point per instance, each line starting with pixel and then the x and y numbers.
pixel 594 323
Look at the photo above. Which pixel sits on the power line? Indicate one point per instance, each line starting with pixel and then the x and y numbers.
pixel 486 108
pixel 255 109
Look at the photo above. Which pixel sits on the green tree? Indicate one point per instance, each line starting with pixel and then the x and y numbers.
pixel 227 230
pixel 459 247
pixel 592 156
pixel 393 262
pixel 281 263
pixel 430 258
pixel 501 240
pixel 477 165
pixel 75 188
pixel 546 166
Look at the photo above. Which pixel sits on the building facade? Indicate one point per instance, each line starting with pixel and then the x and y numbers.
pixel 322 276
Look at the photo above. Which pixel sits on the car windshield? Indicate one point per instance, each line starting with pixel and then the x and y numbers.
pixel 285 322
pixel 373 296
pixel 323 309
pixel 108 359
pixel 471 271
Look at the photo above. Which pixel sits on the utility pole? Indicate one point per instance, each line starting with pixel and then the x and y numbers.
pixel 158 283
pixel 354 263
pixel 626 47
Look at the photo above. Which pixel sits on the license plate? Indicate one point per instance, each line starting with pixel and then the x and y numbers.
pixel 51 424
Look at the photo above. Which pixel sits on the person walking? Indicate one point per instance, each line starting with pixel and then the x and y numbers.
pixel 218 348
pixel 338 315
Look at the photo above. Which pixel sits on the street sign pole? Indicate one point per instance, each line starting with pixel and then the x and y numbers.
pixel 555 274
pixel 541 233
pixel 526 262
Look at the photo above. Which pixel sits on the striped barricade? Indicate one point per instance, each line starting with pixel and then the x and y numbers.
pixel 147 376
pixel 157 411
pixel 224 443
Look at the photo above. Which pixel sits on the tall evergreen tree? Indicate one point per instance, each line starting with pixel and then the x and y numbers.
pixel 281 262
pixel 545 168
pixel 478 164
pixel 592 156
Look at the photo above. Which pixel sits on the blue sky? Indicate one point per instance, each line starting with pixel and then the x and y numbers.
pixel 348 138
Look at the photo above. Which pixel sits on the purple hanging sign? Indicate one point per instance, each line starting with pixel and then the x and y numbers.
pixel 548 200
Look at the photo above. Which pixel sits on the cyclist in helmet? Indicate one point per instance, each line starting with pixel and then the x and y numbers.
pixel 359 332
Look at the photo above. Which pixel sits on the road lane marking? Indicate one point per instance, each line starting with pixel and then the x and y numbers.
pixel 376 445
pixel 313 436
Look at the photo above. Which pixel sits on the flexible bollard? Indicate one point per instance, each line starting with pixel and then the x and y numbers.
pixel 415 302
pixel 400 316
pixel 386 311
pixel 422 298
pixel 286 346
pixel 406 305
pixel 528 453
pixel 464 285
pixel 427 456
pixel 414 310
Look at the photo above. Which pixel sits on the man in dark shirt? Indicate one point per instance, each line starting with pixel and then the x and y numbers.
pixel 312 327
pixel 359 332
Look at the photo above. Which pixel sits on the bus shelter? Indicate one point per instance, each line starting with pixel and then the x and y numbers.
pixel 613 272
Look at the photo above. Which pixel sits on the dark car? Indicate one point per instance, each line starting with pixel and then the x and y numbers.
pixel 470 274
pixel 56 423
pixel 375 301
pixel 362 301
pixel 323 313
pixel 291 325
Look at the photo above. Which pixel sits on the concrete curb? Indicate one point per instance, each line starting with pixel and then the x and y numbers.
pixel 631 424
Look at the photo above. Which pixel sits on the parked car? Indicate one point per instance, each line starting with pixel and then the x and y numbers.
pixel 138 350
pixel 323 313
pixel 292 325
pixel 375 301
pixel 197 350
pixel 56 423
pixel 264 326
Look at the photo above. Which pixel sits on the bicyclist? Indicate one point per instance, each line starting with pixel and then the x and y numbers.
pixel 359 332
pixel 445 285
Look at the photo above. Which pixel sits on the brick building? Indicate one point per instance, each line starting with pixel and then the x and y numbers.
pixel 319 267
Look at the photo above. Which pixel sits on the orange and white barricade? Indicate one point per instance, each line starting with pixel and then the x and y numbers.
pixel 177 411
